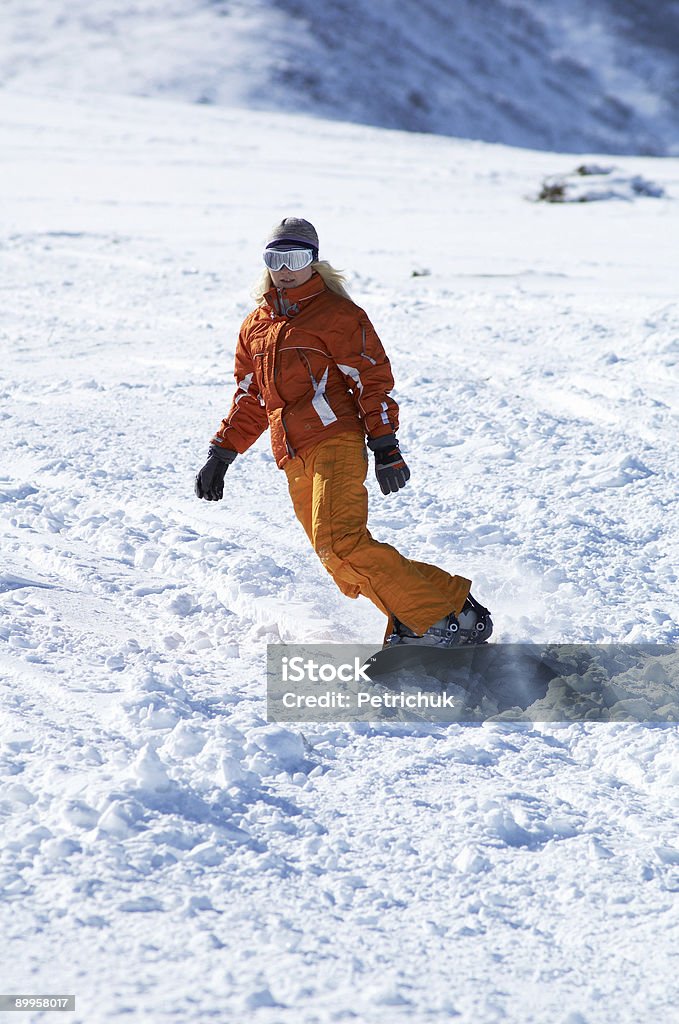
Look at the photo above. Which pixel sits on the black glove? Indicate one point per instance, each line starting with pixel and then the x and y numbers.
pixel 390 468
pixel 210 479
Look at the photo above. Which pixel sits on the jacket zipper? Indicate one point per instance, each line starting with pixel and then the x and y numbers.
pixel 290 449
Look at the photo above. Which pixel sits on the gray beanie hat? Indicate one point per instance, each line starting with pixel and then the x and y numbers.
pixel 293 229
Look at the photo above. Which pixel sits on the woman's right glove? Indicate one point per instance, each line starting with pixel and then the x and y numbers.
pixel 390 468
pixel 210 479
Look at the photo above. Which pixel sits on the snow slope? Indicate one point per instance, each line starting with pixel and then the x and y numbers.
pixel 583 75
pixel 166 854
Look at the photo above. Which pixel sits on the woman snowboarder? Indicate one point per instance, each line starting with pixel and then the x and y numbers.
pixel 310 366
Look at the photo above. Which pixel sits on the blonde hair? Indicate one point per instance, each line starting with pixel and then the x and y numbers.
pixel 334 281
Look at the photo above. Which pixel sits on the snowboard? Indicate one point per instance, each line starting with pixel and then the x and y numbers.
pixel 510 675
pixel 565 682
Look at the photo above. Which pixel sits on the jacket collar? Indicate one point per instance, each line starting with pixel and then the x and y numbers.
pixel 290 302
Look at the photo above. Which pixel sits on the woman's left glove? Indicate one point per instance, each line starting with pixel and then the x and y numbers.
pixel 210 479
pixel 390 467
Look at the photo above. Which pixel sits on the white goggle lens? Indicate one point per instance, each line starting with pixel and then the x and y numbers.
pixel 294 259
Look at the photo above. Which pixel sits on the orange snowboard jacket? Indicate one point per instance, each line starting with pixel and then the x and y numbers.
pixel 309 365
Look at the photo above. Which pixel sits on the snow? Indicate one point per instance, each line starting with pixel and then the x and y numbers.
pixel 167 854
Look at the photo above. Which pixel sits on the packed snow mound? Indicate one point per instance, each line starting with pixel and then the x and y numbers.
pixel 595 76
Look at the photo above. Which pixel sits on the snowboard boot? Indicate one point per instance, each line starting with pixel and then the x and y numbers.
pixel 472 626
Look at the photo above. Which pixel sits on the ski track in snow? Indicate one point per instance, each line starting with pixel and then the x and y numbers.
pixel 167 854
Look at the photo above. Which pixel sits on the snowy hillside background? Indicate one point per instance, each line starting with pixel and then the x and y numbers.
pixel 585 75
pixel 166 854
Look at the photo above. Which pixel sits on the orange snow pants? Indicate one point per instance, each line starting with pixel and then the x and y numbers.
pixel 327 487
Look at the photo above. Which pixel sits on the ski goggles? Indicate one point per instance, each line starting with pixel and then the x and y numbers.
pixel 293 259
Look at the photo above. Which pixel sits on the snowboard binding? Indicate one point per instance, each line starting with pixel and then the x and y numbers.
pixel 472 626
